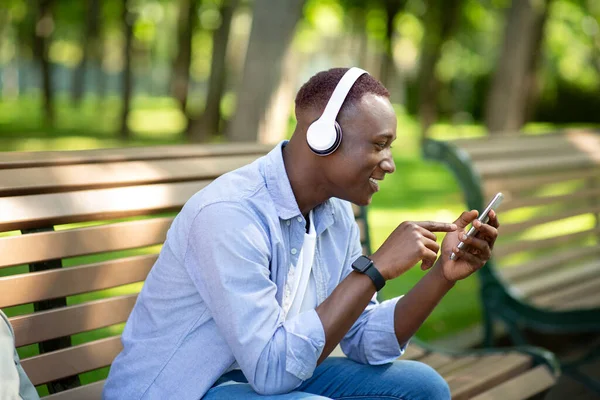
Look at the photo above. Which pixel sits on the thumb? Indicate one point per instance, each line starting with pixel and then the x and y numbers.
pixel 466 218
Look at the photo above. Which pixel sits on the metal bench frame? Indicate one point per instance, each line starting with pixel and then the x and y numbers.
pixel 499 302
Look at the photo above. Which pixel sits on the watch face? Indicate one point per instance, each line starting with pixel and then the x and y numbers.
pixel 361 263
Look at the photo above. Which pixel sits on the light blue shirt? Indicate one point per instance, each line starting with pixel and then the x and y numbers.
pixel 214 296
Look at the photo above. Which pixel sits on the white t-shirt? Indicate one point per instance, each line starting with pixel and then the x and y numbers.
pixel 300 292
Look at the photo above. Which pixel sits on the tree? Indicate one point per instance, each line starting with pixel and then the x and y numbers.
pixel 442 20
pixel 43 29
pixel 208 124
pixel 512 88
pixel 388 68
pixel 272 29
pixel 128 20
pixel 186 25
pixel 90 47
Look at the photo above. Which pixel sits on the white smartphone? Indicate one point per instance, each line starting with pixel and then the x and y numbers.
pixel 483 218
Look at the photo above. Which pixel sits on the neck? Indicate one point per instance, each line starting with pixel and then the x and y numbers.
pixel 304 176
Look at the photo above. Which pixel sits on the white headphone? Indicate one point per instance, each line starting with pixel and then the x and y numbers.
pixel 325 134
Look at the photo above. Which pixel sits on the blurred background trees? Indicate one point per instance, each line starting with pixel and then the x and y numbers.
pixel 214 70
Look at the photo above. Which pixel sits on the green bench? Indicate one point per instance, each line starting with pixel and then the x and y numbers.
pixel 544 277
pixel 80 231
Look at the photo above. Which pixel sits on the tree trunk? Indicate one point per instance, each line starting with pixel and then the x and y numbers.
pixel 275 125
pixel 43 29
pixel 532 85
pixel 89 46
pixel 186 25
pixel 443 18
pixel 506 106
pixel 128 20
pixel 388 67
pixel 273 26
pixel 208 124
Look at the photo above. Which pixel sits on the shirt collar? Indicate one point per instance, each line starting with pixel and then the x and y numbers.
pixel 280 190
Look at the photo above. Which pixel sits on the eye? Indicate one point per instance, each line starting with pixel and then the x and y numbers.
pixel 381 145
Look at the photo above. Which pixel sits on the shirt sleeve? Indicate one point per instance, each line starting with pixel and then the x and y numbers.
pixel 372 339
pixel 228 258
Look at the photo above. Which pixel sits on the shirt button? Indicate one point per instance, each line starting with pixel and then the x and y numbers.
pixel 287 223
pixel 294 251
pixel 299 219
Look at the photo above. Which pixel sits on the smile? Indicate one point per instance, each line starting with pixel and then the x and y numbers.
pixel 374 184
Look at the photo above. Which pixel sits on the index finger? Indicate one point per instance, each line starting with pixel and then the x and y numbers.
pixel 434 226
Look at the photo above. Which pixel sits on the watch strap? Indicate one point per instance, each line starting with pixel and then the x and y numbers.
pixel 375 276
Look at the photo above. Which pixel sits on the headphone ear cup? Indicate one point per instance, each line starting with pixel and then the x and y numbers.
pixel 323 138
pixel 338 139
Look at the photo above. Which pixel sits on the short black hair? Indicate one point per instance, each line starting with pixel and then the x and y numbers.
pixel 315 93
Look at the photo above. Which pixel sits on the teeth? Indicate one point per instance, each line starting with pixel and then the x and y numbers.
pixel 374 183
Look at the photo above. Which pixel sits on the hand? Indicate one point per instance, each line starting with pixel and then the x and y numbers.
pixel 410 243
pixel 477 250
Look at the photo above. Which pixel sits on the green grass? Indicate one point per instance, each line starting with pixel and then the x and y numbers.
pixel 418 190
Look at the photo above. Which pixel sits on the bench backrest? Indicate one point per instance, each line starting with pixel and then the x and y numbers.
pixel 79 232
pixel 549 220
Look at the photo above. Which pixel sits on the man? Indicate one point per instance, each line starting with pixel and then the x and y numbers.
pixel 261 275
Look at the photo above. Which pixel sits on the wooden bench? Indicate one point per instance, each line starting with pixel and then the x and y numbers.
pixel 544 277
pixel 82 229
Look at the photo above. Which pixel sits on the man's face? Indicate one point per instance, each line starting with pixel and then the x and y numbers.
pixel 364 156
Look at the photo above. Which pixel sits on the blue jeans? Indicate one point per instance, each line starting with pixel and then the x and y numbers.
pixel 340 378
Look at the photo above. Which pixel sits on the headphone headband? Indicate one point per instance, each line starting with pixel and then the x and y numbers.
pixel 325 135
pixel 340 92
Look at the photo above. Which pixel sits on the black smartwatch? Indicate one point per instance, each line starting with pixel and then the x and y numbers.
pixel 364 265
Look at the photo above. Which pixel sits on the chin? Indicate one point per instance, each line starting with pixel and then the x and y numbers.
pixel 364 201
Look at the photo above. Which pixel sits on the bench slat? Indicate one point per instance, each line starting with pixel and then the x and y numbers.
pixel 93 391
pixel 36 211
pixel 34 247
pixel 534 268
pixel 582 137
pixel 487 373
pixel 521 387
pixel 413 352
pixel 436 360
pixel 508 229
pixel 506 249
pixel 565 294
pixel 515 183
pixel 48 158
pixel 504 168
pixel 589 194
pixel 51 324
pixel 564 277
pixel 52 284
pixel 458 363
pixel 516 151
pixel 591 300
pixel 74 360
pixel 96 176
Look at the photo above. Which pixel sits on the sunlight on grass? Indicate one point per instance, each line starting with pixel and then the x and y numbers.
pixel 166 124
pixel 382 222
pixel 60 143
pixel 445 131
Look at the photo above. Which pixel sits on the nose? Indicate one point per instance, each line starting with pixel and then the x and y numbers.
pixel 387 164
